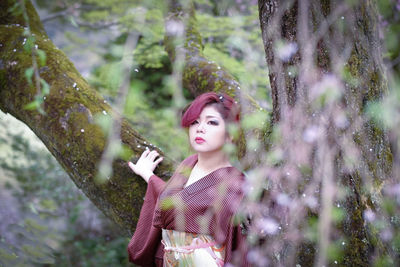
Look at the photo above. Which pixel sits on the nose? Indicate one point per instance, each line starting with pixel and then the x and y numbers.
pixel 200 128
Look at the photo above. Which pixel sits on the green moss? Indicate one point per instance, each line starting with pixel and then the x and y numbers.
pixel 193 37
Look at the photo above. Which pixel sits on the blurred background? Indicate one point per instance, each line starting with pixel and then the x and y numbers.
pixel 45 219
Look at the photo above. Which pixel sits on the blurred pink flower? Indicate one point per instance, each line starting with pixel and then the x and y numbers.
pixel 312 202
pixel 174 28
pixel 369 215
pixel 329 85
pixel 386 235
pixel 286 51
pixel 267 226
pixel 311 134
pixel 256 256
pixel 283 199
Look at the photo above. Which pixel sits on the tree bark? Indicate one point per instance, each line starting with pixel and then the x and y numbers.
pixel 312 27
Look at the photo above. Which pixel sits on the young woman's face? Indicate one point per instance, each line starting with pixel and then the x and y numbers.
pixel 207 133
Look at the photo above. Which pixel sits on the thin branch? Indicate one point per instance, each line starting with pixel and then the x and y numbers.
pixel 74 10
pixel 97 25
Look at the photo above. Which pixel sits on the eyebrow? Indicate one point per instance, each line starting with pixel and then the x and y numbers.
pixel 211 116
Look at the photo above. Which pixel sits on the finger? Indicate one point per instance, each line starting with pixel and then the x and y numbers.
pixel 131 165
pixel 145 153
pixel 158 161
pixel 153 154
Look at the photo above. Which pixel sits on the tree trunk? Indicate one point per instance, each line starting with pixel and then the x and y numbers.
pixel 307 43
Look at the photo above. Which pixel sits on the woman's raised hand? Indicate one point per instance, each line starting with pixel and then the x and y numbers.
pixel 146 164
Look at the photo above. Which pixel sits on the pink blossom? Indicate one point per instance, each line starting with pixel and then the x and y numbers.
pixel 369 215
pixel 267 226
pixel 286 51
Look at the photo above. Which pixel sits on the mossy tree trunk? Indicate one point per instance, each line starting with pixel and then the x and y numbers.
pixel 328 37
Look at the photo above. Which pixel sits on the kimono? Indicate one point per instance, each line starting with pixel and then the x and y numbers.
pixel 205 207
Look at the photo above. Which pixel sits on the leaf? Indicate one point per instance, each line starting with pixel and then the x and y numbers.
pixel 16 9
pixel 45 87
pixel 38 254
pixel 48 204
pixel 29 43
pixel 73 22
pixel 42 57
pixel 34 226
pixel 32 105
pixel 29 74
pixel 337 214
pixel 32 208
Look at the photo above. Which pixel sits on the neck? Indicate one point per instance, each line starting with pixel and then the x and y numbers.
pixel 210 161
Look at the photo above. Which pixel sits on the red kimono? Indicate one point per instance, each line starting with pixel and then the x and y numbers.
pixel 205 207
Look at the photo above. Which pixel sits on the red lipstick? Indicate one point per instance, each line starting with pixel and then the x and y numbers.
pixel 199 140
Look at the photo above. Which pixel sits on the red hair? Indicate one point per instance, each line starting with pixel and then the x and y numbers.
pixel 224 104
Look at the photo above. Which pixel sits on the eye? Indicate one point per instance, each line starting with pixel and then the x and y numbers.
pixel 194 122
pixel 215 123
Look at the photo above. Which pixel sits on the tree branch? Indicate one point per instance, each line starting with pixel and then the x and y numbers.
pixel 200 74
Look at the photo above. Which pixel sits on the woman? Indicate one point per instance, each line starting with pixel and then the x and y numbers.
pixel 188 221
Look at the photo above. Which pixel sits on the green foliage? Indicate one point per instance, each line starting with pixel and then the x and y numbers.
pixel 234 42
pixel 110 76
pixel 311 232
pixel 338 215
pixel 53 218
pixel 256 120
pixel 384 261
pixel 386 112
pixel 336 251
pixel 150 55
pixel 390 22
pixel 74 38
pixel 94 252
pixel 231 64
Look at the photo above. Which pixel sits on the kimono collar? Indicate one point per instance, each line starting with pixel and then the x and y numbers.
pixel 215 177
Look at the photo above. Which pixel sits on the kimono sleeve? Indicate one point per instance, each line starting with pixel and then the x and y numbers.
pixel 227 205
pixel 146 240
pixel 239 248
pixel 236 245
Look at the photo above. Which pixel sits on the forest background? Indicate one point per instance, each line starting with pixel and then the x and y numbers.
pixel 44 218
